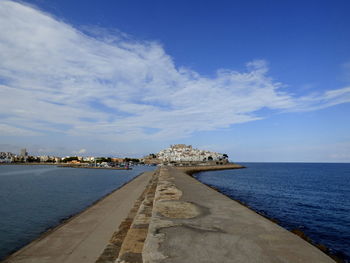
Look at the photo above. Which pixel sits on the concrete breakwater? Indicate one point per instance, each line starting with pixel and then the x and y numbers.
pixel 173 218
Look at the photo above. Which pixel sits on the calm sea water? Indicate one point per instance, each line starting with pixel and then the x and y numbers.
pixel 314 198
pixel 35 198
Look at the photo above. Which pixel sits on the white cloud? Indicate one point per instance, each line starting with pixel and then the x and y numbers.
pixel 9 130
pixel 54 78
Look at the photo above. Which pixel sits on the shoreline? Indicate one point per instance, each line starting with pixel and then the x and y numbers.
pixel 92 167
pixel 66 165
pixel 29 163
pixel 66 220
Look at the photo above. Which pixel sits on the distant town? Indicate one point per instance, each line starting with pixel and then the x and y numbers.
pixel 177 154
pixel 181 154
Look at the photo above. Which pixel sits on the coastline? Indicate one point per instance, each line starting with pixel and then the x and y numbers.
pixel 29 163
pixel 66 165
pixel 92 167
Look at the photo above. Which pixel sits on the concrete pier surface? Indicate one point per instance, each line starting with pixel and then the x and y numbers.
pixel 167 216
pixel 194 223
pixel 84 237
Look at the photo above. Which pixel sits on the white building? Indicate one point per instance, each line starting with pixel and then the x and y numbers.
pixel 6 157
pixel 44 158
pixel 89 159
pixel 185 153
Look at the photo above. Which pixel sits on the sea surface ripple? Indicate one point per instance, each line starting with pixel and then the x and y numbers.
pixel 35 198
pixel 312 197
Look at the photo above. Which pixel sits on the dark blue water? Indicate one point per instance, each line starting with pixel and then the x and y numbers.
pixel 314 198
pixel 35 198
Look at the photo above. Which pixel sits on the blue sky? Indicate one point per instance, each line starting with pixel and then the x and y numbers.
pixel 258 80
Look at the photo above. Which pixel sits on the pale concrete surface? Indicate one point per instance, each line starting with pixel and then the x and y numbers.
pixel 84 238
pixel 193 223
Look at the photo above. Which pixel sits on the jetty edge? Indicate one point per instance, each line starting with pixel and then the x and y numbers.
pixel 176 218
pixel 191 222
pixel 83 237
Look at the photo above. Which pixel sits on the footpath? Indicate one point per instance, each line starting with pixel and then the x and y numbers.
pixel 173 218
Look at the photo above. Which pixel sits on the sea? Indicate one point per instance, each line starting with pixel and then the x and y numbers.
pixel 311 197
pixel 35 198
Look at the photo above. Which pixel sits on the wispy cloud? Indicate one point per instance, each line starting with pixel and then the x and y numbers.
pixel 81 151
pixel 10 130
pixel 55 78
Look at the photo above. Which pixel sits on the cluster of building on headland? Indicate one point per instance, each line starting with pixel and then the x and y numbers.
pixel 181 154
pixel 177 154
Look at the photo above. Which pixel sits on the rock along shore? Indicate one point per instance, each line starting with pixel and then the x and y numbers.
pixel 173 218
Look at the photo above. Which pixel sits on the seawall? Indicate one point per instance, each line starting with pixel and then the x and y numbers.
pixel 169 216
pixel 193 223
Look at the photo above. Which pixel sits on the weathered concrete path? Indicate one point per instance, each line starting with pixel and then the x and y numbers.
pixel 193 223
pixel 84 237
pixel 167 216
